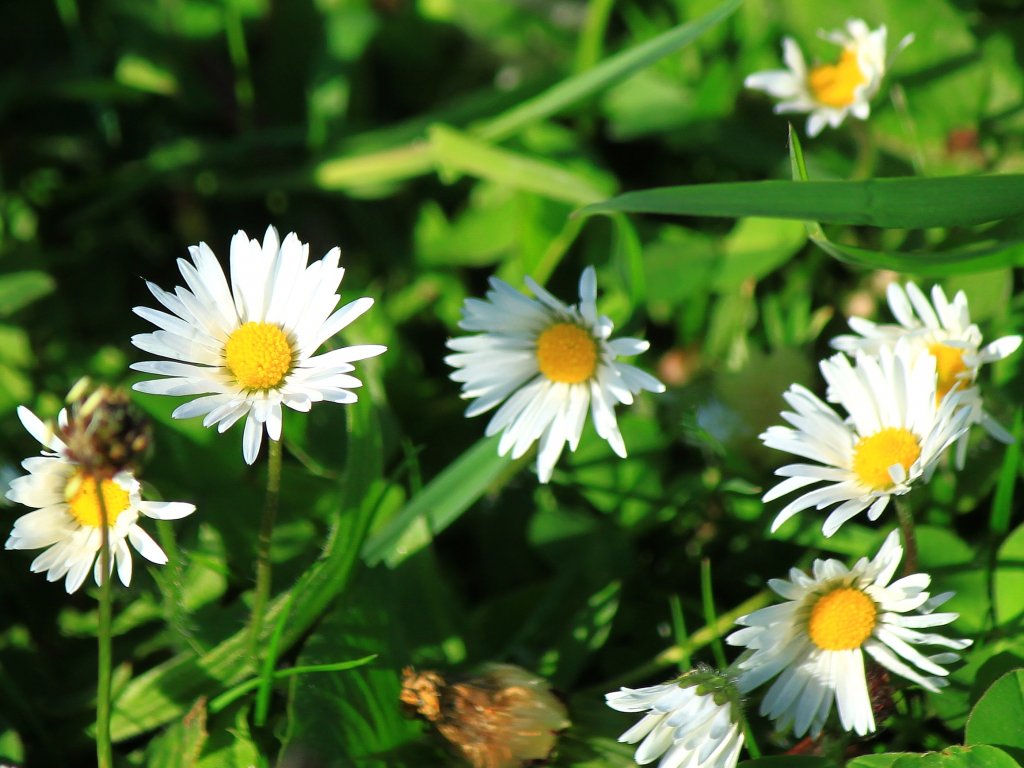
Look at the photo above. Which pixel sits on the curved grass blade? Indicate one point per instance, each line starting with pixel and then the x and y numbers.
pixel 904 203
pixel 976 257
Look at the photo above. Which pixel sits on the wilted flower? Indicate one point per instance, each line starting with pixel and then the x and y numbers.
pixel 550 363
pixel 106 432
pixel 829 92
pixel 501 717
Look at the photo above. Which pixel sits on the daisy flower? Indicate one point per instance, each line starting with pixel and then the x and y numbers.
pixel 67 518
pixel 690 722
pixel 829 92
pixel 942 329
pixel 815 641
pixel 549 362
pixel 895 433
pixel 250 348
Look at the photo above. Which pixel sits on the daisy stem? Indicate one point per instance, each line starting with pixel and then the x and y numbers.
pixel 104 751
pixel 263 567
pixel 906 520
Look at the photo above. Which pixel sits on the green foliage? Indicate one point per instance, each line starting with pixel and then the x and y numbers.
pixel 440 142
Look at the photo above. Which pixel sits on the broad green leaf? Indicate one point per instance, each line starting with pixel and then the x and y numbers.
pixel 162 693
pixel 907 203
pixel 1008 580
pixel 982 756
pixel 439 504
pixel 457 153
pixel 19 289
pixel 180 745
pixel 877 761
pixel 998 717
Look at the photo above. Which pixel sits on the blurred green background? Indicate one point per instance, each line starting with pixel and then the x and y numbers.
pixel 130 130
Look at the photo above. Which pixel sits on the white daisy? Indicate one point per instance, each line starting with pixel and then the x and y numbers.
pixel 944 330
pixel 691 722
pixel 67 516
pixel 250 348
pixel 816 640
pixel 831 91
pixel 895 433
pixel 550 362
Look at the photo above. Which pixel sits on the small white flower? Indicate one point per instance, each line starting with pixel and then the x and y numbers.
pixel 249 348
pixel 549 362
pixel 815 641
pixel 67 518
pixel 691 722
pixel 831 91
pixel 943 329
pixel 895 433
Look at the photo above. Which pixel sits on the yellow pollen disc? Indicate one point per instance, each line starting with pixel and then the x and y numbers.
pixel 842 620
pixel 567 353
pixel 258 355
pixel 84 503
pixel 872 456
pixel 949 365
pixel 833 84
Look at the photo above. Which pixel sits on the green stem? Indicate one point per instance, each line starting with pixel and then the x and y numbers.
pixel 263 566
pixel 104 751
pixel 906 520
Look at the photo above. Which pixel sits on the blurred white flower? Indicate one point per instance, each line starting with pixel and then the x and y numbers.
pixel 550 363
pixel 249 348
pixel 829 92
pixel 895 433
pixel 943 329
pixel 815 641
pixel 690 722
pixel 67 518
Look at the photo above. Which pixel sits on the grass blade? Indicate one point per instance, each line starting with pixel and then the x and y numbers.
pixel 905 203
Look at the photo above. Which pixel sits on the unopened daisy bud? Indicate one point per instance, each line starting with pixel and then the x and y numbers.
pixel 692 721
pixel 105 432
pixel 502 717
pixel 815 642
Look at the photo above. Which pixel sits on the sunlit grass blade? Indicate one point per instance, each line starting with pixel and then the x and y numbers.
pixel 905 203
pixel 458 153
pixel 439 504
pixel 1002 503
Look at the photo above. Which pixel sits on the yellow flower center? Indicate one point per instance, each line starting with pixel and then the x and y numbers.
pixel 872 456
pixel 949 365
pixel 834 84
pixel 567 353
pixel 258 355
pixel 84 500
pixel 842 620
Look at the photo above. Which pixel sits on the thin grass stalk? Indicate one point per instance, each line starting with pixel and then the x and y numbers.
pixel 263 565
